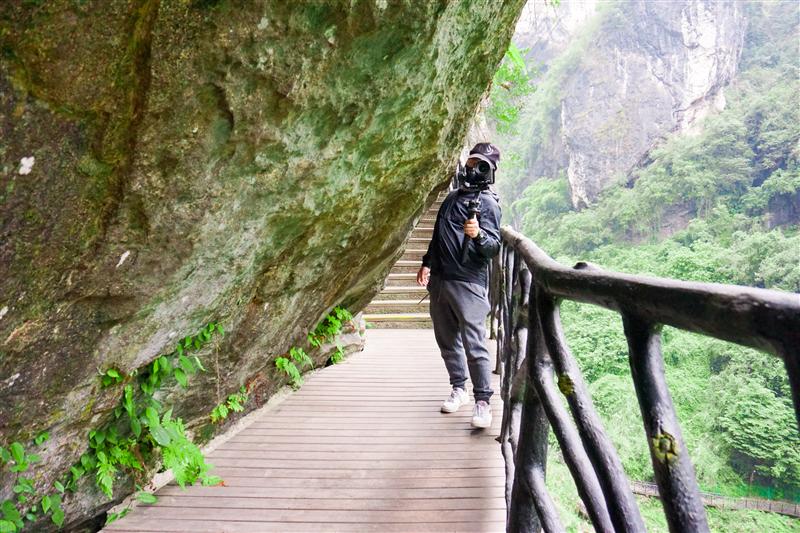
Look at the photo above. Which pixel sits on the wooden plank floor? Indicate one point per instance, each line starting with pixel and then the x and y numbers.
pixel 360 447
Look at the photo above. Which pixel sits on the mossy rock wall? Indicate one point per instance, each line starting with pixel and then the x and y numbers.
pixel 250 163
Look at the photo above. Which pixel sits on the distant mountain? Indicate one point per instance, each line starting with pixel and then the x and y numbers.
pixel 617 79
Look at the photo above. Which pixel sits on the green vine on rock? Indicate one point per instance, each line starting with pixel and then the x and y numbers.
pixel 18 461
pixel 141 433
pixel 329 329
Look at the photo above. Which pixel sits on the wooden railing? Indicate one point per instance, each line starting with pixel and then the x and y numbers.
pixel 536 366
pixel 711 499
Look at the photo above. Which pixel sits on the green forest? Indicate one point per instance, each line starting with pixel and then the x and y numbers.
pixel 727 188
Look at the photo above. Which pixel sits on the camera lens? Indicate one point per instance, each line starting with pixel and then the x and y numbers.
pixel 483 167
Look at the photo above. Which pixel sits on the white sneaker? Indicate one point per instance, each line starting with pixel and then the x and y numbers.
pixel 481 415
pixel 457 398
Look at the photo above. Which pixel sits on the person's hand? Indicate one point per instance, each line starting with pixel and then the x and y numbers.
pixel 471 228
pixel 423 276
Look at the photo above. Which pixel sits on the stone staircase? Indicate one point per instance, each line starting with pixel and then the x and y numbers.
pixel 398 304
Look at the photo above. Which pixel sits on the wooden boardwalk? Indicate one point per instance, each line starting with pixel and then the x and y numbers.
pixel 361 446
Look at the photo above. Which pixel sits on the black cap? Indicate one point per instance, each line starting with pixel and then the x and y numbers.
pixel 487 152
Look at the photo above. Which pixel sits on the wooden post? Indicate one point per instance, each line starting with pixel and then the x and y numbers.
pixel 672 466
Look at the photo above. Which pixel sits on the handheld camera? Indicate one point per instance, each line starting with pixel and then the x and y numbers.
pixel 475 178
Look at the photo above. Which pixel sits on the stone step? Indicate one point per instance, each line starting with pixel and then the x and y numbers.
pixel 397 306
pixel 399 321
pixel 402 303
pixel 401 279
pixel 422 232
pixel 413 254
pixel 404 267
pixel 402 292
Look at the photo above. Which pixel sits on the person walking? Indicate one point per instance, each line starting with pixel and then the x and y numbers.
pixel 466 236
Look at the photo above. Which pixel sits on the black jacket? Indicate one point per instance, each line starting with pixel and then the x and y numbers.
pixel 444 250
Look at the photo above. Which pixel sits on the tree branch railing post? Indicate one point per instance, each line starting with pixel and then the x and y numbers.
pixel 537 369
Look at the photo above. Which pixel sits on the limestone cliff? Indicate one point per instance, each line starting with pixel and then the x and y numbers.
pixel 545 29
pixel 166 164
pixel 632 72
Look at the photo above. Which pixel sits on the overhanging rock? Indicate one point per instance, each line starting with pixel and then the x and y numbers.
pixel 248 163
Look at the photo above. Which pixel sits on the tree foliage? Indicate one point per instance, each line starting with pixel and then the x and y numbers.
pixel 510 85
pixel 719 206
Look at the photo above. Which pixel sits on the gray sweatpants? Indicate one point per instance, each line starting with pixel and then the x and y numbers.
pixel 458 310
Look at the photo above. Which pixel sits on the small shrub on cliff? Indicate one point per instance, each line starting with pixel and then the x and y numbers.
pixel 289 365
pixel 233 403
pixel 330 326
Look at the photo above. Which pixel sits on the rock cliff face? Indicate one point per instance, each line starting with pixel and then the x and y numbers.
pixel 633 72
pixel 168 164
pixel 545 30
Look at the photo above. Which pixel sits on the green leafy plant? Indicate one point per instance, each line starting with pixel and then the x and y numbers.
pixel 51 503
pixel 18 459
pixel 113 517
pixel 182 456
pixel 289 365
pixel 41 438
pixel 112 376
pixel 134 440
pixel 146 497
pixel 300 357
pixel 139 432
pixel 510 85
pixel 329 327
pixel 233 403
pixel 12 519
pixel 23 488
pixel 329 330
pixel 25 506
pixel 338 355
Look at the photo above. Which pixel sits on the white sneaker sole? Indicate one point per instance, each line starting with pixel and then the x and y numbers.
pixel 450 410
pixel 480 424
pixel 446 409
